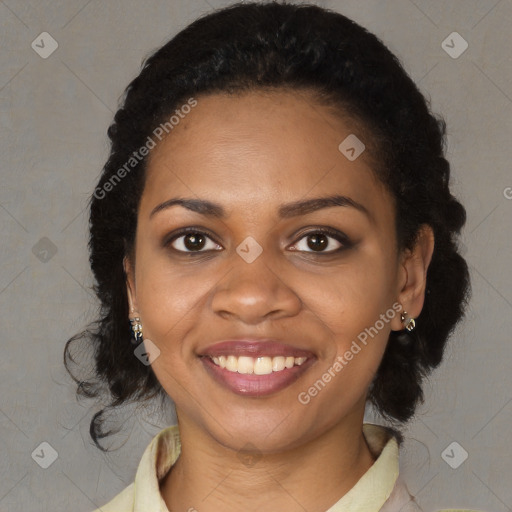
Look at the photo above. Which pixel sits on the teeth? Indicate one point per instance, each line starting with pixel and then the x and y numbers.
pixel 245 364
pixel 262 365
pixel 232 364
pixel 257 365
pixel 278 363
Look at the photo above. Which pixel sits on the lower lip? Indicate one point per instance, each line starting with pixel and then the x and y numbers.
pixel 255 385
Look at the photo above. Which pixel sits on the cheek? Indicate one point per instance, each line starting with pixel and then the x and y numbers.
pixel 355 306
pixel 354 296
pixel 168 303
pixel 168 297
pixel 170 306
pixel 351 307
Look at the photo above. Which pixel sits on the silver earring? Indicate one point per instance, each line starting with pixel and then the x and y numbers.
pixel 408 322
pixel 136 329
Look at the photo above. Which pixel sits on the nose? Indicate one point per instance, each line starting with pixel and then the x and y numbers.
pixel 253 293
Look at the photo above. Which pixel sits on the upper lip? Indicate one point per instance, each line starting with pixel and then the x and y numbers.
pixel 254 348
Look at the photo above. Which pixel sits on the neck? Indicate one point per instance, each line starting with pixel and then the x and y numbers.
pixel 313 476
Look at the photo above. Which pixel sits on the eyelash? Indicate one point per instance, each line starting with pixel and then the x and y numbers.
pixel 333 233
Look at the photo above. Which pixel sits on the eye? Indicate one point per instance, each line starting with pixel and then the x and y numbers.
pixel 321 241
pixel 193 241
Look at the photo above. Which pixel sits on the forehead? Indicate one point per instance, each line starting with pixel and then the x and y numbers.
pixel 266 146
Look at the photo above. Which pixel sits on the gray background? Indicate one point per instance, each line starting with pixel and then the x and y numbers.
pixel 54 114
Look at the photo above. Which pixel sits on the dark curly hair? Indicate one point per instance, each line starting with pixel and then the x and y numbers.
pixel 254 46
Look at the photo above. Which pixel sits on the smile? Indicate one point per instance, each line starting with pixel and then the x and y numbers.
pixel 254 384
pixel 257 365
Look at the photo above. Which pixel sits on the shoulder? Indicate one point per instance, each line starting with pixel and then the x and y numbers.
pixel 123 502
pixel 401 500
pixel 143 494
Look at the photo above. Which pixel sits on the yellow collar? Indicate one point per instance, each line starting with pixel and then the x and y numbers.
pixel 368 494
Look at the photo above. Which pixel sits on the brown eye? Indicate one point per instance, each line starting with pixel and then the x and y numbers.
pixel 322 241
pixel 194 242
pixel 317 242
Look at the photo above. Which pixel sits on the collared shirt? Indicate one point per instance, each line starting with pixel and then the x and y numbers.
pixel 380 489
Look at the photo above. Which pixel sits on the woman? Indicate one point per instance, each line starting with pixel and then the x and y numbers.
pixel 275 222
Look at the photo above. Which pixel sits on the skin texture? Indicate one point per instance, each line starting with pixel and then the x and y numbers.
pixel 251 154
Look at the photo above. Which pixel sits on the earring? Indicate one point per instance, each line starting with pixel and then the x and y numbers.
pixel 409 322
pixel 136 329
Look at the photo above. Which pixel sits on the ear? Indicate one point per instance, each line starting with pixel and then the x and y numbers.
pixel 413 275
pixel 130 284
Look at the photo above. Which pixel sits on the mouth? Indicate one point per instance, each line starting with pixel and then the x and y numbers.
pixel 255 368
pixel 258 366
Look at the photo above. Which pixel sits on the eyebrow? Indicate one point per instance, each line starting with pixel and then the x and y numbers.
pixel 210 209
pixel 196 205
pixel 312 205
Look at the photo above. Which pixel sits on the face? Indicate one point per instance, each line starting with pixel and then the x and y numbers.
pixel 288 260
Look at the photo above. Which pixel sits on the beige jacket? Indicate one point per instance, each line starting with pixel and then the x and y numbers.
pixel 380 489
